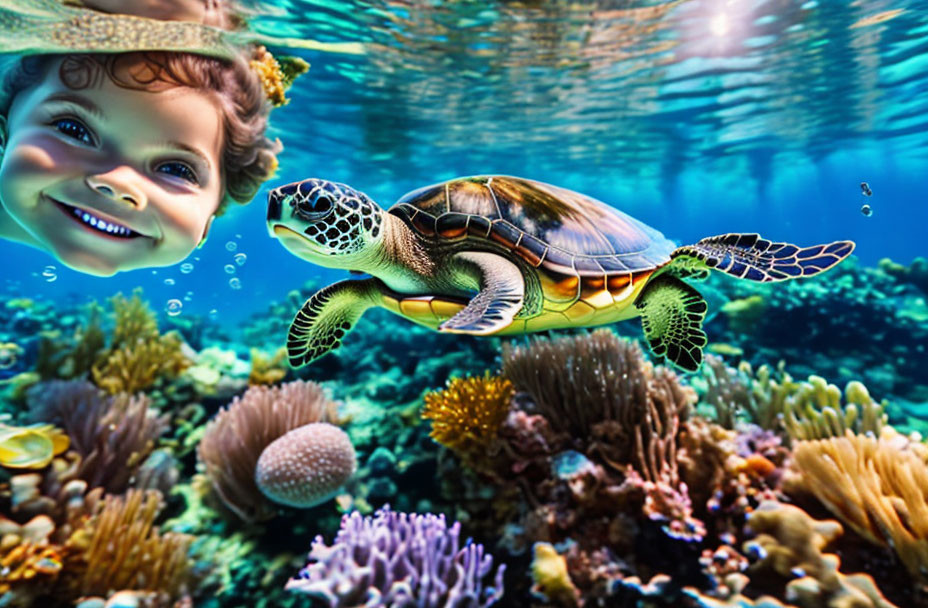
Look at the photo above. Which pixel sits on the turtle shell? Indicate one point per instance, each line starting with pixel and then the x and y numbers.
pixel 551 228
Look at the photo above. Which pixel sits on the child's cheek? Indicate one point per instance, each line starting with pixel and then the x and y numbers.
pixel 42 158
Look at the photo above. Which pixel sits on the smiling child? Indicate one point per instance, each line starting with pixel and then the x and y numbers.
pixel 117 161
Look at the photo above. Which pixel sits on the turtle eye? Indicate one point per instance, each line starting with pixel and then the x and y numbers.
pixel 315 206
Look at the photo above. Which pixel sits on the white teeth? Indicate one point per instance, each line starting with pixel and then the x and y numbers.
pixel 100 224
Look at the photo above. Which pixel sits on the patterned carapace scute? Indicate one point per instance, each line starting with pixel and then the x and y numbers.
pixel 398 559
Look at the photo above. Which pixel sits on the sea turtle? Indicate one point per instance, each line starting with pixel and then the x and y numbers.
pixel 503 255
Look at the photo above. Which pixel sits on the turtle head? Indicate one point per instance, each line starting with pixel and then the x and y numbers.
pixel 325 222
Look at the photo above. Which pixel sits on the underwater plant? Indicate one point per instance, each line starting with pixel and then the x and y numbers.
pixel 399 559
pixel 235 438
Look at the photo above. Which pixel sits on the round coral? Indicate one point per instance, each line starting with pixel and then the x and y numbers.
pixel 306 466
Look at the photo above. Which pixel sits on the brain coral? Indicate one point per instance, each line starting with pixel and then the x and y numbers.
pixel 306 466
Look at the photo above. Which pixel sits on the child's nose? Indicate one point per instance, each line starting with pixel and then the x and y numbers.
pixel 118 185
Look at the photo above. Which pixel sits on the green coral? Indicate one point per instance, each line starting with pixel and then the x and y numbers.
pixel 770 398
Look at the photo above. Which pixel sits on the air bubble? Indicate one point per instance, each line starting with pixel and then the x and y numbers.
pixel 231 246
pixel 50 273
pixel 240 258
pixel 186 268
pixel 213 313
pixel 188 297
pixel 169 281
pixel 235 283
pixel 229 268
pixel 173 307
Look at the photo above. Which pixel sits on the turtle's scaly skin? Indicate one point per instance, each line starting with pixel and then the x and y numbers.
pixel 587 260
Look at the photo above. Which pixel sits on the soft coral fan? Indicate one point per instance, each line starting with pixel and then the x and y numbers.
pixel 395 559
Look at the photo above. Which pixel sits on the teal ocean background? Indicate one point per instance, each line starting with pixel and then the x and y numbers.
pixel 595 474
pixel 697 117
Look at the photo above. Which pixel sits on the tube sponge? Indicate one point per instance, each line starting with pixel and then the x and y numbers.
pixel 306 466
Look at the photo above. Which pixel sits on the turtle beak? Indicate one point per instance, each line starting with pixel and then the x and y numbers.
pixel 275 205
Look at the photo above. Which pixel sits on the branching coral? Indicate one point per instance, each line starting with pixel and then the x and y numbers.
pixel 138 354
pixel 399 559
pixel 814 410
pixel 772 399
pixel 121 549
pixel 790 543
pixel 236 436
pixel 467 414
pixel 877 486
pixel 112 435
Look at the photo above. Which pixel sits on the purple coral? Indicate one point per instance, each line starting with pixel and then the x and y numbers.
pixel 393 560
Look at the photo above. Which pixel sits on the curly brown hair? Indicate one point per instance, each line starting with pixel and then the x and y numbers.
pixel 249 157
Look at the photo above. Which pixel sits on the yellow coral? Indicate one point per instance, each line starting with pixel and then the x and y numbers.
pixel 121 549
pixel 468 413
pixel 267 370
pixel 551 578
pixel 136 367
pixel 30 447
pixel 878 486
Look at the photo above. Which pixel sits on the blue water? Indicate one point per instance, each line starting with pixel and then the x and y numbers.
pixel 697 117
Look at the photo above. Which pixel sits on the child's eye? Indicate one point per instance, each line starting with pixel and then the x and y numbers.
pixel 178 169
pixel 74 129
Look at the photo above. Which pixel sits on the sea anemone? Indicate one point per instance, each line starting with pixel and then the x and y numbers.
pixel 236 436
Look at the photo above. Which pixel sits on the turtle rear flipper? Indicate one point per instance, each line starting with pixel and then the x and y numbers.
pixel 327 316
pixel 671 316
pixel 502 292
pixel 748 256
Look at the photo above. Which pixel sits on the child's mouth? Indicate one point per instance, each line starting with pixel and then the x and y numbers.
pixel 96 223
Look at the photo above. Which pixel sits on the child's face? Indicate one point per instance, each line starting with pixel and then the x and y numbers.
pixel 108 178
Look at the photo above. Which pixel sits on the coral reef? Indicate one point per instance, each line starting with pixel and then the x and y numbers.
pixel 396 559
pixel 234 439
pixel 790 543
pixel 466 415
pixel 30 447
pixel 113 435
pixel 121 549
pixel 876 485
pixel 306 466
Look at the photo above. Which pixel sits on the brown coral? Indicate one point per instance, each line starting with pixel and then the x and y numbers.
pixel 877 486
pixel 121 549
pixel 236 436
pixel 467 414
pixel 112 435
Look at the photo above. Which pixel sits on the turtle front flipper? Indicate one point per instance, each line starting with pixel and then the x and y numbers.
pixel 748 256
pixel 502 291
pixel 327 316
pixel 671 315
